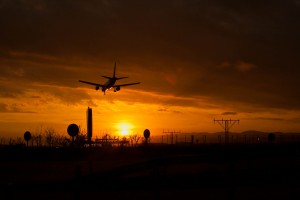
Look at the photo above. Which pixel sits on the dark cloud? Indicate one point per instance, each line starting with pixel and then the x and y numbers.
pixel 13 108
pixel 272 119
pixel 228 51
pixel 169 110
pixel 3 107
pixel 70 96
pixel 229 113
pixel 96 27
pixel 10 90
pixel 266 118
pixel 162 110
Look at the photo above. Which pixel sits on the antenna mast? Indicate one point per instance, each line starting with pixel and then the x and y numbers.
pixel 226 124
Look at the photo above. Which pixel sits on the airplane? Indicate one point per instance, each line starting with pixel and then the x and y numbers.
pixel 110 83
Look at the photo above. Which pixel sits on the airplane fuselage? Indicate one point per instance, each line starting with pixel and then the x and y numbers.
pixel 109 84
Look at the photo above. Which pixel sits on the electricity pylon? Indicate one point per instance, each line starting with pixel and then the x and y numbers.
pixel 226 124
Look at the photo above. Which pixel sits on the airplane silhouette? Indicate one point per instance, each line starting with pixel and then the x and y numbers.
pixel 110 83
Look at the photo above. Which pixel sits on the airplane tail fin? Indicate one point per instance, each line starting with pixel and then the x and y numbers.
pixel 118 78
pixel 115 70
pixel 114 74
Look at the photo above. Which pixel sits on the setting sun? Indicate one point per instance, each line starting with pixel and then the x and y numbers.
pixel 124 128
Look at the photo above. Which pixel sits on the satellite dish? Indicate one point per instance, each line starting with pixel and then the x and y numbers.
pixel 73 130
pixel 146 133
pixel 27 136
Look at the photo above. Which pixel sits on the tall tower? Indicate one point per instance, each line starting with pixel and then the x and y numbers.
pixel 89 124
pixel 226 124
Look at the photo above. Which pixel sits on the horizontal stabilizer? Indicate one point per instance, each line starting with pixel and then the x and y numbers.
pixel 106 77
pixel 126 84
pixel 121 78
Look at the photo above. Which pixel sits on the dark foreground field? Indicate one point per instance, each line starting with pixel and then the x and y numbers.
pixel 153 172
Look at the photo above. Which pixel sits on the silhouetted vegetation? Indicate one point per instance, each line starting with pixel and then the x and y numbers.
pixel 134 170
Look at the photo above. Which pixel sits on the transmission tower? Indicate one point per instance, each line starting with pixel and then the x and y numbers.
pixel 226 124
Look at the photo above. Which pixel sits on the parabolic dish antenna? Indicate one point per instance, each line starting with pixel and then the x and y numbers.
pixel 146 133
pixel 27 136
pixel 73 130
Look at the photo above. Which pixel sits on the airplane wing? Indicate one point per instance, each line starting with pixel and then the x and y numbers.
pixel 90 83
pixel 126 84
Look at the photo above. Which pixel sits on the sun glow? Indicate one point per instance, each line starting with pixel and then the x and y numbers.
pixel 124 128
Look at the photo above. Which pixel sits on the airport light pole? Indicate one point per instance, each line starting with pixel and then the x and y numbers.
pixel 171 135
pixel 226 124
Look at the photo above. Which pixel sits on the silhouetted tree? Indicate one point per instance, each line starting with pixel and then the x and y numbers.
pixel 134 139
pixel 124 141
pixel 19 142
pixel 59 140
pixel 50 136
pixel 2 141
pixel 37 140
pixel 38 136
pixel 11 141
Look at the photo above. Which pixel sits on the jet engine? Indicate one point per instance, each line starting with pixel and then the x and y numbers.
pixel 117 88
pixel 97 87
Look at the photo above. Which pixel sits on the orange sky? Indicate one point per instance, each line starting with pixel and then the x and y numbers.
pixel 196 61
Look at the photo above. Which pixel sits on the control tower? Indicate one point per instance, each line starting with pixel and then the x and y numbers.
pixel 89 125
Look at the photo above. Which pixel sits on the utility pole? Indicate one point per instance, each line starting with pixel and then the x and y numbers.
pixel 226 124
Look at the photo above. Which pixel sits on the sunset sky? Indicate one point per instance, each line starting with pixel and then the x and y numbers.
pixel 196 60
